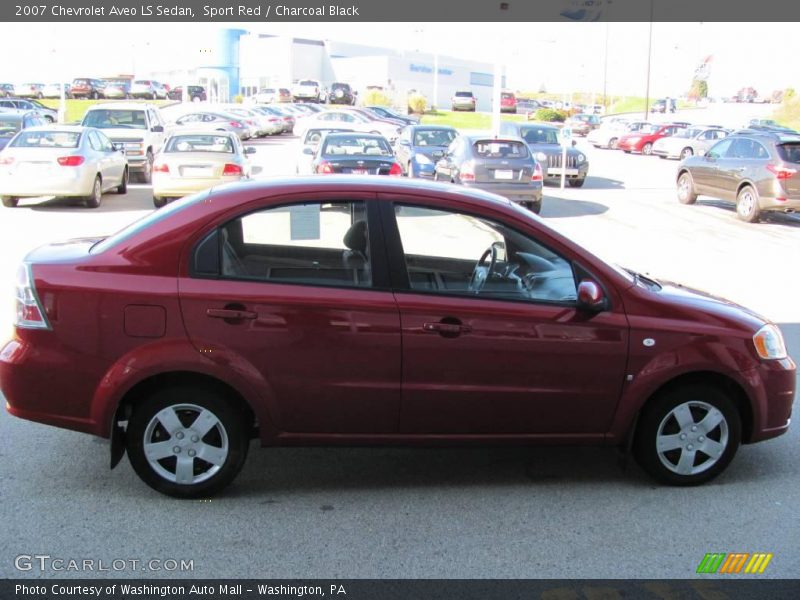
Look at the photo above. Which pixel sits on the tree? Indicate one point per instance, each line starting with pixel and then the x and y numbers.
pixel 698 90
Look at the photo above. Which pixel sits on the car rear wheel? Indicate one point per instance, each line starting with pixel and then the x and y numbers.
pixel 122 188
pixel 686 193
pixel 576 182
pixel 647 149
pixel 96 197
pixel 146 176
pixel 747 208
pixel 10 201
pixel 612 143
pixel 688 436
pixel 158 201
pixel 187 442
pixel 534 207
pixel 686 153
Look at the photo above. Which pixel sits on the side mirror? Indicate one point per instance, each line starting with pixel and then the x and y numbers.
pixel 157 129
pixel 118 147
pixel 309 151
pixel 249 150
pixel 591 297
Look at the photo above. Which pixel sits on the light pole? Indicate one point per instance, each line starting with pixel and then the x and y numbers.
pixel 649 58
pixel 605 73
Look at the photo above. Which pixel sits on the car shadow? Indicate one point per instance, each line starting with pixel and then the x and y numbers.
pixel 591 183
pixel 778 218
pixel 554 207
pixel 111 203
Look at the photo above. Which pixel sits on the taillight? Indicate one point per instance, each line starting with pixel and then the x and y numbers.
pixel 160 167
pixel 395 170
pixel 29 311
pixel 325 168
pixel 467 172
pixel 236 124
pixel 537 173
pixel 274 119
pixel 781 172
pixel 230 170
pixel 6 160
pixel 70 161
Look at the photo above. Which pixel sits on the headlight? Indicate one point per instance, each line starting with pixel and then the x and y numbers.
pixel 422 159
pixel 769 343
pixel 541 156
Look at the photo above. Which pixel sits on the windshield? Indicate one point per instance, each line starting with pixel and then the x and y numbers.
pixel 47 139
pixel 308 82
pixel 539 135
pixel 350 145
pixel 200 143
pixel 464 94
pixel 8 127
pixel 115 119
pixel 434 137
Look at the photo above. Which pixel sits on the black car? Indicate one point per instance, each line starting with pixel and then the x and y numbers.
pixel 355 153
pixel 543 142
pixel 195 93
pixel 341 93
pixel 501 165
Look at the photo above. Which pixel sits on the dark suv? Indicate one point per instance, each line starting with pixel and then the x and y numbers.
pixel 758 170
pixel 195 93
pixel 341 93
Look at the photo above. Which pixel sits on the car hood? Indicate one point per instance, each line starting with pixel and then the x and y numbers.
pixel 723 312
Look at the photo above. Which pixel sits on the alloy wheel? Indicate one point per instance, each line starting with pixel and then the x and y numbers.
pixel 692 437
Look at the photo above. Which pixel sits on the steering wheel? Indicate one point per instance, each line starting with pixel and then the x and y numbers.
pixel 480 273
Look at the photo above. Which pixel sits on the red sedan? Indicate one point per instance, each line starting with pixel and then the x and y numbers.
pixel 643 140
pixel 333 310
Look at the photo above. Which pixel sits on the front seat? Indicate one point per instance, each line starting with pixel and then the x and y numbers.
pixel 355 257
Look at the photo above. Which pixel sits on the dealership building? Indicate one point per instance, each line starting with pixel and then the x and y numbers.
pixel 237 62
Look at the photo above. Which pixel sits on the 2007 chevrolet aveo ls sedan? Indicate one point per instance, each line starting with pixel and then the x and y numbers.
pixel 346 310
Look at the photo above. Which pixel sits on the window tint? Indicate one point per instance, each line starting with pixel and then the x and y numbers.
pixel 313 243
pixel 47 139
pixel 539 135
pixel 500 149
pixel 200 143
pixel 115 119
pixel 460 262
pixel 344 144
pixel 434 137
pixel 747 148
pixel 719 149
pixel 789 152
pixel 9 127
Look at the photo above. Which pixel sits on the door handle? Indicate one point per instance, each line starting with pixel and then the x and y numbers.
pixel 231 314
pixel 452 329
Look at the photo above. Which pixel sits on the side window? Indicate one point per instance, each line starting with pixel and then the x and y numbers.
pixel 94 142
pixel 105 143
pixel 479 258
pixel 759 151
pixel 742 148
pixel 314 243
pixel 720 149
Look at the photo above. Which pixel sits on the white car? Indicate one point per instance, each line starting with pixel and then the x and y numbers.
pixel 308 147
pixel 350 120
pixel 688 142
pixel 195 160
pixel 63 161
pixel 307 90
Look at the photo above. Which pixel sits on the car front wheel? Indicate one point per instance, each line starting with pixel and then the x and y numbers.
pixel 688 436
pixel 686 153
pixel 187 442
pixel 576 183
pixel 146 176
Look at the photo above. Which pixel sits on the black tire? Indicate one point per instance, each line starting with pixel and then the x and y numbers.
pixel 158 201
pixel 49 119
pixel 658 420
pixel 94 199
pixel 686 193
pixel 627 151
pixel 747 208
pixel 122 188
pixel 153 96
pixel 227 441
pixel 95 95
pixel 40 95
pixel 10 201
pixel 534 207
pixel 612 143
pixel 686 153
pixel 435 175
pixel 647 149
pixel 146 176
pixel 576 183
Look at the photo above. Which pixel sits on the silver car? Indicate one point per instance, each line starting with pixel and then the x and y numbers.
pixel 695 140
pixel 69 161
pixel 260 123
pixel 216 121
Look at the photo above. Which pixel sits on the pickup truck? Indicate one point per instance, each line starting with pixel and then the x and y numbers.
pixel 306 90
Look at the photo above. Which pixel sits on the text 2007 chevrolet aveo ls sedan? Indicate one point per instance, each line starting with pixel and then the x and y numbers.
pixel 352 311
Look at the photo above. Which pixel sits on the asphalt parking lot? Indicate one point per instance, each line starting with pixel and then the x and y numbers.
pixel 472 513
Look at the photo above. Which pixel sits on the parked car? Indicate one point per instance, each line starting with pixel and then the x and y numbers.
pixel 664 105
pixel 746 94
pixel 768 125
pixel 350 119
pixel 544 143
pixel 609 133
pixel 688 142
pixel 117 88
pixel 86 87
pixel 137 126
pixel 12 122
pixel 355 153
pixel 306 90
pixel 644 139
pixel 6 90
pixel 48 113
pixel 53 90
pixel 757 170
pixel 286 120
pixel 29 90
pixel 419 147
pixel 192 161
pixel 501 165
pixel 508 102
pixel 195 93
pixel 582 124
pixel 215 121
pixel 230 302
pixel 526 106
pixel 260 124
pixel 308 148
pixel 382 112
pixel 464 100
pixel 149 89
pixel 65 161
pixel 341 93
pixel 371 115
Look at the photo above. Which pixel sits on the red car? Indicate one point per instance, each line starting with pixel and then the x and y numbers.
pixel 643 140
pixel 508 102
pixel 332 310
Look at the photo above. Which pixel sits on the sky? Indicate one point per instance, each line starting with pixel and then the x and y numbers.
pixel 565 57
